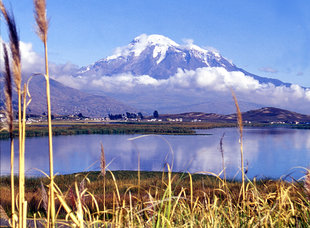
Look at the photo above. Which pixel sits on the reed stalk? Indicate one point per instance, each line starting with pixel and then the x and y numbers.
pixel 44 198
pixel 222 154
pixel 240 126
pixel 9 117
pixel 15 50
pixel 307 183
pixel 139 174
pixel 42 28
pixel 103 173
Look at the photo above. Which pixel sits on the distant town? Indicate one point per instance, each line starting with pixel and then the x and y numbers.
pixel 268 115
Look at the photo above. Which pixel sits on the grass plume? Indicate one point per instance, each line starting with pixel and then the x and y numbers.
pixel 8 92
pixel 222 154
pixel 103 173
pixel 15 51
pixel 240 126
pixel 40 17
pixel 9 117
pixel 102 161
pixel 42 27
pixel 307 183
pixel 14 44
pixel 44 197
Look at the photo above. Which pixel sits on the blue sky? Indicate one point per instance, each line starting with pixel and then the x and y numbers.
pixel 269 38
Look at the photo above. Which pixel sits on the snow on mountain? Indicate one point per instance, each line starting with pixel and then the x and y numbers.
pixel 156 56
pixel 154 72
pixel 139 44
pixel 160 57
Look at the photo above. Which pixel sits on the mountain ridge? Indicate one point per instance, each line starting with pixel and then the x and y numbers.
pixel 68 101
pixel 160 57
pixel 262 115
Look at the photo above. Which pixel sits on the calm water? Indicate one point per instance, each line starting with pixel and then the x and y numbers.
pixel 267 152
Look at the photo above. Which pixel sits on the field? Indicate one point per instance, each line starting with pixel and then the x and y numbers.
pixel 71 128
pixel 163 199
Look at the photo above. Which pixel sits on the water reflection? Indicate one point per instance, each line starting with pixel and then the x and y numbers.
pixel 268 152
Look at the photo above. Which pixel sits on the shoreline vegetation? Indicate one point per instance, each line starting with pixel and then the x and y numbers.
pixel 195 199
pixel 77 128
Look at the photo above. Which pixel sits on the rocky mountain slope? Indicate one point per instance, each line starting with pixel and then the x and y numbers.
pixel 68 101
pixel 262 115
pixel 154 72
pixel 160 57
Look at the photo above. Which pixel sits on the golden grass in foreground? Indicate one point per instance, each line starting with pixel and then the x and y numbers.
pixel 9 116
pixel 170 200
pixel 42 28
pixel 16 57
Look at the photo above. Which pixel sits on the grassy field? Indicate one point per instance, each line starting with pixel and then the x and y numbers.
pixel 167 199
pixel 69 128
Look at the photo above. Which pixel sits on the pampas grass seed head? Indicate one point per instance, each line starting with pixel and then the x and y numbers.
pixel 103 162
pixel 40 16
pixel 8 92
pixel 14 44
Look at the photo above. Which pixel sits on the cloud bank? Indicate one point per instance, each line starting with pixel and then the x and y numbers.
pixel 199 82
pixel 186 84
pixel 268 70
pixel 32 62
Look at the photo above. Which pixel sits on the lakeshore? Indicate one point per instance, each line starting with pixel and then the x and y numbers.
pixel 168 128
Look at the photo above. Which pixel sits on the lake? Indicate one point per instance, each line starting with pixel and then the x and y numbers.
pixel 268 152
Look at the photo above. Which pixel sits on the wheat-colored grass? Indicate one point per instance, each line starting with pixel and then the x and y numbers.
pixel 103 173
pixel 42 29
pixel 240 126
pixel 9 119
pixel 15 51
pixel 222 155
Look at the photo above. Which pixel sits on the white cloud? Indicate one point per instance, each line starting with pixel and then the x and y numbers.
pixel 31 62
pixel 185 84
pixel 200 82
pixel 209 48
pixel 268 70
pixel 187 41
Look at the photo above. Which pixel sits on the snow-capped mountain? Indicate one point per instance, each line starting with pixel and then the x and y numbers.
pixel 154 72
pixel 160 57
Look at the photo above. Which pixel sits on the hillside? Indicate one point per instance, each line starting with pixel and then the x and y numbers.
pixel 68 101
pixel 262 115
pixel 155 72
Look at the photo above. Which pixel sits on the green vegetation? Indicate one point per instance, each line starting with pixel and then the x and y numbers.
pixel 116 128
pixel 77 128
pixel 168 199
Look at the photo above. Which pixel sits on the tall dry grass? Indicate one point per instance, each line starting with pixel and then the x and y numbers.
pixel 222 155
pixel 16 59
pixel 42 29
pixel 8 90
pixel 240 127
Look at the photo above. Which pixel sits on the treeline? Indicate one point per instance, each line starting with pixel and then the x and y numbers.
pixel 128 115
pixel 36 131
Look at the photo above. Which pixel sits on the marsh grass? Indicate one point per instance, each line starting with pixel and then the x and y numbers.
pixel 16 62
pixel 170 199
pixel 42 29
pixel 9 123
